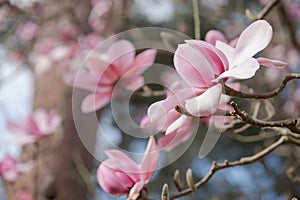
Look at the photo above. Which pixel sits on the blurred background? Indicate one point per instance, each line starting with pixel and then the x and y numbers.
pixel 43 42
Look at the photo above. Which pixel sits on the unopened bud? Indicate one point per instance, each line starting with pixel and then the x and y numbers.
pixel 165 192
pixel 189 180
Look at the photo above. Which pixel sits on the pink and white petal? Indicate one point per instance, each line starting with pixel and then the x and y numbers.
pixel 133 83
pixel 96 101
pixel 227 50
pixel 96 65
pixel 15 128
pixel 213 56
pixel 206 103
pixel 124 163
pixel 271 63
pixel 192 66
pixel 121 54
pixel 134 193
pixel 181 135
pixel 213 36
pixel 176 124
pixel 252 40
pixel 109 182
pixel 143 61
pixel 84 80
pixel 243 71
pixel 11 175
pixel 150 160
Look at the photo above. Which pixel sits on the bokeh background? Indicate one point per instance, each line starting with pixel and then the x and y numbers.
pixel 43 42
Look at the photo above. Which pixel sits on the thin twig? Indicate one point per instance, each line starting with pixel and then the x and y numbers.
pixel 148 92
pixel 243 161
pixel 245 117
pixel 266 10
pixel 196 19
pixel 232 92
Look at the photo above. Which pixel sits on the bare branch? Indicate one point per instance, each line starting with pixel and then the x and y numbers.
pixel 266 10
pixel 243 161
pixel 242 115
pixel 232 92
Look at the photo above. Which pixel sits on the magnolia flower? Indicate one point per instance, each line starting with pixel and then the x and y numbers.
pixel 35 126
pixel 10 168
pixel 205 66
pixel 103 71
pixel 120 175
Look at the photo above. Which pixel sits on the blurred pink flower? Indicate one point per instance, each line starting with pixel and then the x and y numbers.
pixel 10 168
pixel 120 175
pixel 205 66
pixel 103 71
pixel 25 195
pixel 35 126
pixel 27 31
pixel 97 18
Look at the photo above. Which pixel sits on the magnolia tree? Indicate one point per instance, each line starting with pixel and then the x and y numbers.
pixel 127 112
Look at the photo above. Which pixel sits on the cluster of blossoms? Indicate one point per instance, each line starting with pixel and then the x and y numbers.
pixel 34 127
pixel 202 66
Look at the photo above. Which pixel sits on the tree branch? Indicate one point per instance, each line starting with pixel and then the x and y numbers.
pixel 243 161
pixel 232 92
pixel 245 117
pixel 265 11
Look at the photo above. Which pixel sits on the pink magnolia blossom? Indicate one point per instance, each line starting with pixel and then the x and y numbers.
pixel 27 31
pixel 120 175
pixel 205 66
pixel 10 168
pixel 35 126
pixel 103 71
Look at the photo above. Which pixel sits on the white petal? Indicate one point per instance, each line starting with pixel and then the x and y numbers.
pixel 206 103
pixel 176 124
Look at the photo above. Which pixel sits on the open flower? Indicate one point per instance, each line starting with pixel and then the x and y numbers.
pixel 103 71
pixel 35 126
pixel 10 168
pixel 205 66
pixel 120 175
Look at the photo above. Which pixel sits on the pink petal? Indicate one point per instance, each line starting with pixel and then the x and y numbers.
pixel 84 81
pixel 227 50
pixel 96 101
pixel 144 60
pixel 95 65
pixel 176 124
pixel 192 66
pixel 150 160
pixel 271 63
pixel 216 59
pixel 133 83
pixel 243 71
pixel 158 110
pixel 251 41
pixel 121 54
pixel 206 103
pixel 109 182
pixel 213 36
pixel 124 163
pixel 172 140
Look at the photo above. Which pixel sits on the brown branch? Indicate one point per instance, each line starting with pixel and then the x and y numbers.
pixel 243 161
pixel 232 92
pixel 266 10
pixel 245 117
